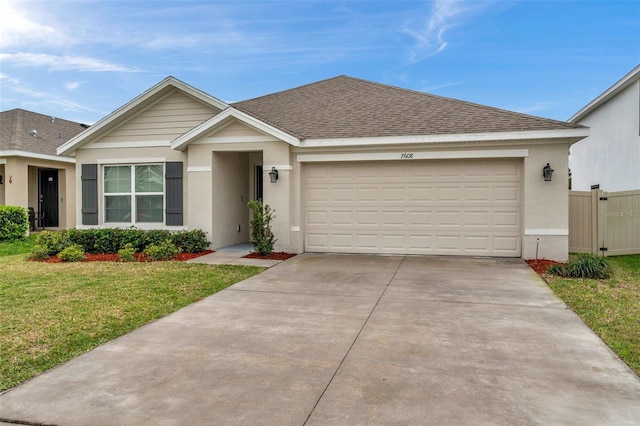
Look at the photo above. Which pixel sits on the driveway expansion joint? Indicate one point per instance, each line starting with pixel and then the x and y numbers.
pixel 364 324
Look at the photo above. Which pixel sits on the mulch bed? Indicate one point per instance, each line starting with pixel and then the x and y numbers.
pixel 114 257
pixel 541 265
pixel 276 255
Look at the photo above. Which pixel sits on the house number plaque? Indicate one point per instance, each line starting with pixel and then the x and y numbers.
pixel 406 156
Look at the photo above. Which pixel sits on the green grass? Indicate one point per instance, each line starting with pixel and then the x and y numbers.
pixel 50 313
pixel 8 248
pixel 610 307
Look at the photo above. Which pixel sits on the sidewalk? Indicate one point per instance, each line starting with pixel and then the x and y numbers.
pixel 234 255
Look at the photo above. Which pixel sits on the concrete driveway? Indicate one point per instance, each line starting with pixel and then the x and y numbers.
pixel 347 340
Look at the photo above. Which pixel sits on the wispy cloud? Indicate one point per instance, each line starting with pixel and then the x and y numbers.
pixel 429 35
pixel 40 98
pixel 435 87
pixel 8 79
pixel 73 85
pixel 64 62
pixel 535 107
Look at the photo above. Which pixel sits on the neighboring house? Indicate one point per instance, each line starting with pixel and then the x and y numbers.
pixel 31 173
pixel 361 167
pixel 610 156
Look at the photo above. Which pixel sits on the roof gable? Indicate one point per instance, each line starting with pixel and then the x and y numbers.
pixel 346 107
pixel 27 131
pixel 631 77
pixel 136 108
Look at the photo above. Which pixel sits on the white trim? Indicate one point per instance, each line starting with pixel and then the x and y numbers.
pixel 279 167
pixel 3 161
pixel 27 154
pixel 547 232
pixel 612 91
pixel 127 161
pixel 235 139
pixel 414 155
pixel 192 169
pixel 139 144
pixel 181 142
pixel 578 133
pixel 146 227
pixel 103 125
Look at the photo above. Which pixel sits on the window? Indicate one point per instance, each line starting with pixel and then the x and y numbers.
pixel 134 193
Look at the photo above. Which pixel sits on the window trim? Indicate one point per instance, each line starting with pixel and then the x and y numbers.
pixel 133 194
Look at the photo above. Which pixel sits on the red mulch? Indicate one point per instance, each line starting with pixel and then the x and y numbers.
pixel 89 257
pixel 276 255
pixel 541 265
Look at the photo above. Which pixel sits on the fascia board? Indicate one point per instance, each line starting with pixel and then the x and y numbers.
pixel 71 145
pixel 611 92
pixel 576 134
pixel 183 141
pixel 27 154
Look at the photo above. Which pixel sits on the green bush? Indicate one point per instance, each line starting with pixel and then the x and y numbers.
pixel 583 266
pixel 14 223
pixel 262 236
pixel 155 237
pixel 112 240
pixel 163 251
pixel 39 252
pixel 53 241
pixel 72 253
pixel 127 253
pixel 191 241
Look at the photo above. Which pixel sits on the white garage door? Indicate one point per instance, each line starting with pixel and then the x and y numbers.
pixel 453 207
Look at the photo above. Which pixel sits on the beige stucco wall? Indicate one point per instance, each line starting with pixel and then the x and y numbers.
pixel 546 204
pixel 20 187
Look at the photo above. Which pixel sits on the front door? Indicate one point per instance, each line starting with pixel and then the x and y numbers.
pixel 259 183
pixel 48 196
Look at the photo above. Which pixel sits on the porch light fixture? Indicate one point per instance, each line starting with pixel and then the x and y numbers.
pixel 547 171
pixel 273 175
pixel 1 181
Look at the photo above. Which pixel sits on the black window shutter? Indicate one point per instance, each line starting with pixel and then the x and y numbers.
pixel 89 194
pixel 173 181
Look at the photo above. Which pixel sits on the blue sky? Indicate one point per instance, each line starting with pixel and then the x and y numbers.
pixel 80 60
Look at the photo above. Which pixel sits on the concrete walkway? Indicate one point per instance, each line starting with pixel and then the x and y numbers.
pixel 349 340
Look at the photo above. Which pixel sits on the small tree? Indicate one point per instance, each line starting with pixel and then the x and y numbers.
pixel 262 236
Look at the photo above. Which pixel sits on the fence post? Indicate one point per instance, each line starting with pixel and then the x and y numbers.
pixel 602 222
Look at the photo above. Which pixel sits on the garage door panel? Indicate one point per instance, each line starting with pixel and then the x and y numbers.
pixel 421 207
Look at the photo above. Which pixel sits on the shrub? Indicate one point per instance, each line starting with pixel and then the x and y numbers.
pixel 262 236
pixel 191 241
pixel 155 237
pixel 39 252
pixel 14 223
pixel 72 253
pixel 584 266
pixel 127 253
pixel 53 241
pixel 163 251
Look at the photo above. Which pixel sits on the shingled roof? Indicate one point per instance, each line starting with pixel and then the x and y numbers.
pixel 346 107
pixel 17 126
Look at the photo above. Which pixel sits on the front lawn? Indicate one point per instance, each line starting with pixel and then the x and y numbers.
pixel 610 307
pixel 50 313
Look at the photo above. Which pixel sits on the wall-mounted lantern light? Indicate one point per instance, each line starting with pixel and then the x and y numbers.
pixel 273 175
pixel 1 181
pixel 547 171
